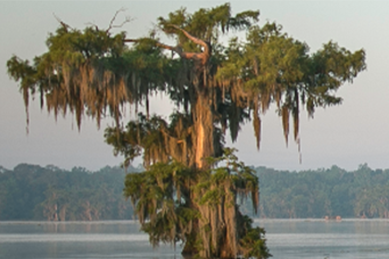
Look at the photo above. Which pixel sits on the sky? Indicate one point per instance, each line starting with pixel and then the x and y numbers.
pixel 348 135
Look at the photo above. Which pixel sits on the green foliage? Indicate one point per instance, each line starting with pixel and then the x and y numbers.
pixel 232 178
pixel 81 69
pixel 175 203
pixel 272 67
pixel 254 243
pixel 159 139
pixel 206 24
pixel 161 200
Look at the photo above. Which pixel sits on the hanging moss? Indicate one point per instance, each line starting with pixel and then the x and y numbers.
pixel 174 202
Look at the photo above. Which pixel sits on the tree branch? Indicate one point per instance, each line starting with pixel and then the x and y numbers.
pixel 202 56
pixel 193 38
pixel 111 25
pixel 64 25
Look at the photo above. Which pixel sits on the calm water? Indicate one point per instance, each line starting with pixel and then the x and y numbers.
pixel 292 239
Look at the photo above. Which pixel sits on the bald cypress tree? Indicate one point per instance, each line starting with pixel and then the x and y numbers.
pixel 192 185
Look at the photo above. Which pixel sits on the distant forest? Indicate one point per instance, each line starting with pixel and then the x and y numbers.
pixel 31 192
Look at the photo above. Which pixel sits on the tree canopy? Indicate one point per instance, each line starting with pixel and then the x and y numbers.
pixel 93 72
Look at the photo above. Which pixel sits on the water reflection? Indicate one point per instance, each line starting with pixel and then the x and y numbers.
pixel 292 239
pixel 327 239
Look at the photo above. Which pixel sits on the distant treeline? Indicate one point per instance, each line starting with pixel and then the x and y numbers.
pixel 30 192
pixel 325 192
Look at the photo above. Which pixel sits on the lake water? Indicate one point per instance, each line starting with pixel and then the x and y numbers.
pixel 292 239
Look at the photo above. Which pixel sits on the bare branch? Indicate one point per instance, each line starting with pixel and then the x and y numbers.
pixel 131 40
pixel 64 25
pixel 114 17
pixel 126 20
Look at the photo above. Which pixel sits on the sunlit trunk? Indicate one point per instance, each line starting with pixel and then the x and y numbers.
pixel 204 132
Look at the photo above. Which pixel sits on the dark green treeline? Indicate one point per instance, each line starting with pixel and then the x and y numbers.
pixel 325 192
pixel 30 192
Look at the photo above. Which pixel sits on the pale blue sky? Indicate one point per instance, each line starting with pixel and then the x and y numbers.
pixel 348 135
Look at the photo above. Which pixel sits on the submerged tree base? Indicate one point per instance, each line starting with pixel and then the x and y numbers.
pixel 199 208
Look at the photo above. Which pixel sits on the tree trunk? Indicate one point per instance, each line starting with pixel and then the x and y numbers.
pixel 221 242
pixel 62 213
pixel 203 120
pixel 55 216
